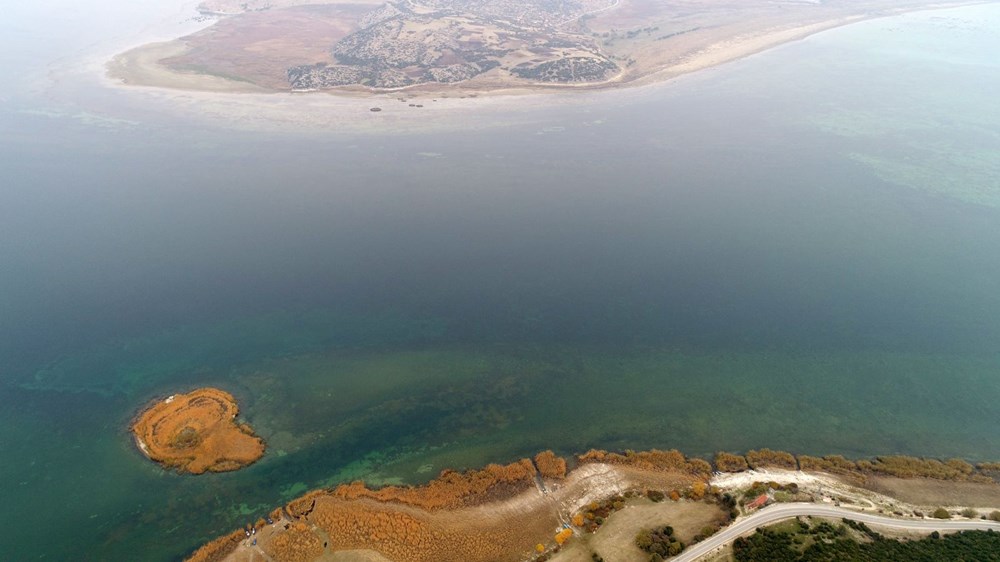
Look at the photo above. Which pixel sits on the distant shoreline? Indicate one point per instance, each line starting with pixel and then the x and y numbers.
pixel 142 65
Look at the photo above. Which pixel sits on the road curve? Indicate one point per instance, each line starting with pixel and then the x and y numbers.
pixel 781 511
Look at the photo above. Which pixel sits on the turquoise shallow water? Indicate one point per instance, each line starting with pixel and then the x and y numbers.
pixel 800 250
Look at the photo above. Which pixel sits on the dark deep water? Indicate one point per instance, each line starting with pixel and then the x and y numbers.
pixel 800 251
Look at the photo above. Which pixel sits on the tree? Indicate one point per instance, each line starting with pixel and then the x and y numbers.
pixel 563 536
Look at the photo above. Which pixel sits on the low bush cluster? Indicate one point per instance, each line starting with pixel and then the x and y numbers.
pixel 597 512
pixel 659 543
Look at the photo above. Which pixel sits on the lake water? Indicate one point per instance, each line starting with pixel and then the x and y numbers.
pixel 800 250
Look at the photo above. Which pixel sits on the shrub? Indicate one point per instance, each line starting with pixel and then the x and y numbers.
pixel 659 542
pixel 941 513
pixel 767 458
pixel 995 515
pixel 835 464
pixel 728 462
pixel 563 536
pixel 970 513
pixel 550 466
pixel 913 467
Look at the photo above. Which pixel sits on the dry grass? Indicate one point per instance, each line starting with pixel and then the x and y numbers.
pixel 260 47
pixel 492 514
pixel 196 432
pixel 923 491
pixel 403 533
pixel 615 540
pixel 550 466
pixel 498 514
pixel 653 460
pixel 452 489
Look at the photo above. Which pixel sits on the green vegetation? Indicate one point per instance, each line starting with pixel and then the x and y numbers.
pixel 659 543
pixel 788 491
pixel 941 513
pixel 853 541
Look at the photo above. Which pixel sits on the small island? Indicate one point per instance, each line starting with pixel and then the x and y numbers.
pixel 197 432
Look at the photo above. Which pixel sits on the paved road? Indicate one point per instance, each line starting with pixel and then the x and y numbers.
pixel 781 511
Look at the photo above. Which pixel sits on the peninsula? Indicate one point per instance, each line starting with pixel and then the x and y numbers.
pixel 598 505
pixel 471 47
pixel 196 433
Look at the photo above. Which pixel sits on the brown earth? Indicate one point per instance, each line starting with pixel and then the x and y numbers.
pixel 197 432
pixel 258 47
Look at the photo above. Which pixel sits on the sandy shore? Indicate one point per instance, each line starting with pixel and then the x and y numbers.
pixel 142 66
pixel 142 84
